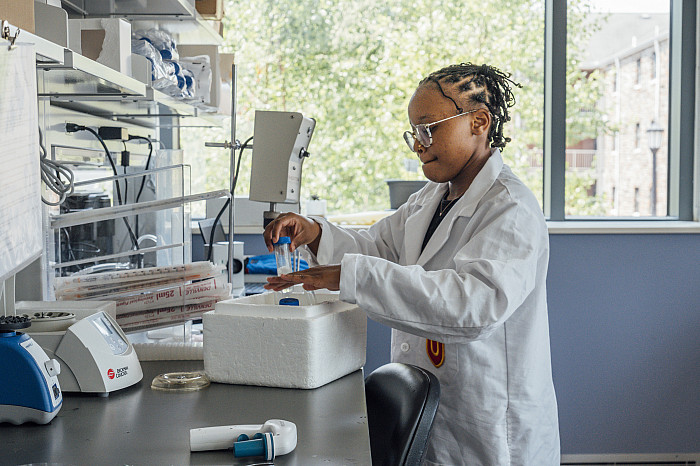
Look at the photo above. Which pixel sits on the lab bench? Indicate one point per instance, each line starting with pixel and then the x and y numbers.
pixel 139 425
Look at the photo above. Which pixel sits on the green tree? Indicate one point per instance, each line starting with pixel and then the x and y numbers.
pixel 353 66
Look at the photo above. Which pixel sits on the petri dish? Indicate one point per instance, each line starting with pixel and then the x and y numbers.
pixel 180 381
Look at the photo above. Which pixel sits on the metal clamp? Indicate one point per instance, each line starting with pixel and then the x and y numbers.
pixel 5 33
pixel 236 145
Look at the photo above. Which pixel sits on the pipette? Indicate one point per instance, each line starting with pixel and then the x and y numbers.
pixel 275 437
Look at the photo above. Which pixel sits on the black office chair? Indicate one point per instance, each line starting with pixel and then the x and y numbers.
pixel 402 400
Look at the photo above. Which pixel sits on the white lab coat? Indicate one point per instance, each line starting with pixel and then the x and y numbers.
pixel 478 287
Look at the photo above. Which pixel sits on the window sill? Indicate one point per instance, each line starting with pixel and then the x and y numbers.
pixel 570 227
pixel 608 227
pixel 612 227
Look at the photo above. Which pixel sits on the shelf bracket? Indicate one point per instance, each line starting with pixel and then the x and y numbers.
pixel 6 34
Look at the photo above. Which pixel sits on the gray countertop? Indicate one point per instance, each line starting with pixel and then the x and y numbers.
pixel 138 425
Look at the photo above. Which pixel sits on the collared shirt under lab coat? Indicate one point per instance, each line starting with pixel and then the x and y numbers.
pixel 478 287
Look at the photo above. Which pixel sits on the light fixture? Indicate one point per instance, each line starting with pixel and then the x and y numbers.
pixel 654 135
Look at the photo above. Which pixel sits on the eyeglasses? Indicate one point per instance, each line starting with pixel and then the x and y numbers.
pixel 422 135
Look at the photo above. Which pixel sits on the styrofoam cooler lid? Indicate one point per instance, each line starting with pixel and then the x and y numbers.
pixel 265 305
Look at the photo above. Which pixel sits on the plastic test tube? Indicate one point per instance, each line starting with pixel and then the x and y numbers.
pixel 283 257
pixel 288 262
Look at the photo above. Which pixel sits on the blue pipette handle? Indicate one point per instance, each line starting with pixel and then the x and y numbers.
pixel 260 445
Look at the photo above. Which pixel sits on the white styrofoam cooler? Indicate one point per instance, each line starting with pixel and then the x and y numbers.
pixel 254 341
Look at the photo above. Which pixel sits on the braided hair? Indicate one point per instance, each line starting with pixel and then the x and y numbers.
pixel 480 84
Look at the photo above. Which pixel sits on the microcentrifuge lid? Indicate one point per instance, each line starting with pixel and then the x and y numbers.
pixel 50 321
pixel 180 381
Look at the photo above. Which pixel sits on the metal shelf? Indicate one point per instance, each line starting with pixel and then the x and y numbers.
pixel 135 8
pixel 189 115
pixel 186 31
pixel 108 213
pixel 73 81
pixel 178 17
pixel 177 107
pixel 145 112
pixel 80 78
pixel 90 260
pixel 81 84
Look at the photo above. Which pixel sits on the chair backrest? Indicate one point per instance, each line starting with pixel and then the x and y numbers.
pixel 401 403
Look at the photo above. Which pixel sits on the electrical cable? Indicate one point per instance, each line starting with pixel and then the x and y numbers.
pixel 69 247
pixel 124 162
pixel 126 183
pixel 228 201
pixel 148 162
pixel 51 173
pixel 134 240
pixel 143 179
pixel 71 128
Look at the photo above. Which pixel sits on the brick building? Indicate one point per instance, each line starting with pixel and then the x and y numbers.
pixel 632 52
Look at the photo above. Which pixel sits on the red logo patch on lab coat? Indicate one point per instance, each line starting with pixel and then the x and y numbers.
pixel 436 352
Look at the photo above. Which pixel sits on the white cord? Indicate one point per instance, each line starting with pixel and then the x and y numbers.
pixel 53 175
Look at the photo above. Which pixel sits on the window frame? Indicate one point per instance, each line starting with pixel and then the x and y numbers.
pixel 638 78
pixel 684 111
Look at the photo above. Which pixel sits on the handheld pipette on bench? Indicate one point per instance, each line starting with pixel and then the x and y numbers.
pixel 274 438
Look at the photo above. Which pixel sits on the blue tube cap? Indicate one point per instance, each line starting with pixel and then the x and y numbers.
pixel 289 302
pixel 283 240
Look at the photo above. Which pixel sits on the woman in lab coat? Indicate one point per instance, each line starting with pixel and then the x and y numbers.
pixel 459 273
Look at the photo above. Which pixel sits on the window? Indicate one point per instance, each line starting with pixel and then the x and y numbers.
pixel 353 68
pixel 614 81
pixel 638 79
pixel 623 43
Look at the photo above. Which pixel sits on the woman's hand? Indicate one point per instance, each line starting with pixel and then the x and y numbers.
pixel 301 230
pixel 315 278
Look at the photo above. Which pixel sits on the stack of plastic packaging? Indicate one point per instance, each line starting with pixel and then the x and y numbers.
pixel 151 297
pixel 200 69
pixel 187 78
pixel 162 73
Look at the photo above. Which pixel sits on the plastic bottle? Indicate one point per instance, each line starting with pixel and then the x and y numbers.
pixel 288 262
pixel 283 256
